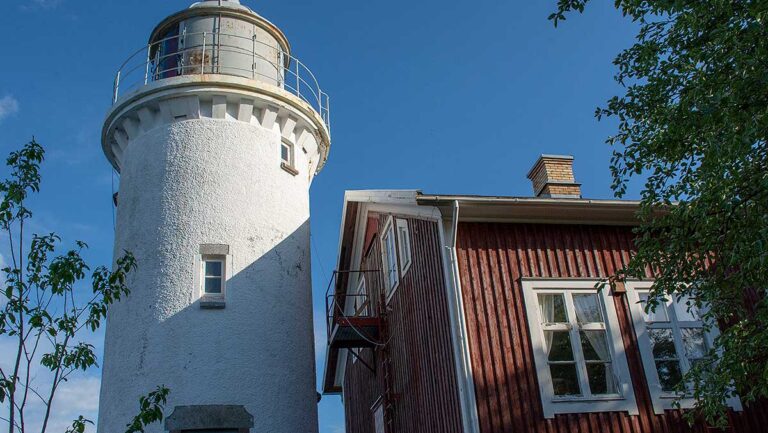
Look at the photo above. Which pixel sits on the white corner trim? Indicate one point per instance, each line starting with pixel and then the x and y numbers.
pixel 661 400
pixel 551 405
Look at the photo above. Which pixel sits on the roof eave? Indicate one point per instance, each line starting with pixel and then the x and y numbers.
pixel 539 210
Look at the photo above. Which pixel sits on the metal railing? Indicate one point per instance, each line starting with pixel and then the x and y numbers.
pixel 347 305
pixel 221 53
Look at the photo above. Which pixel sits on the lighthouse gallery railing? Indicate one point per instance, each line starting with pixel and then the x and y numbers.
pixel 221 53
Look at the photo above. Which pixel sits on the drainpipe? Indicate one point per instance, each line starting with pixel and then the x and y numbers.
pixel 468 400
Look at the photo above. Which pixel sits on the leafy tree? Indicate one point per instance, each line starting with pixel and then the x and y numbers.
pixel 692 123
pixel 42 311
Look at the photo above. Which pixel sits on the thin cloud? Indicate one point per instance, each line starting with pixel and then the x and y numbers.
pixel 8 106
pixel 46 4
pixel 37 5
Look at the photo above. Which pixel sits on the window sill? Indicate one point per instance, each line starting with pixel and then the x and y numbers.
pixel 212 303
pixel 587 399
pixel 617 403
pixel 289 169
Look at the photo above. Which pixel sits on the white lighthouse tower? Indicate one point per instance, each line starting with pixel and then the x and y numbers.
pixel 216 131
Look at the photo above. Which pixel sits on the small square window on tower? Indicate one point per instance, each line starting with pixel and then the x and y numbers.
pixel 213 266
pixel 287 157
pixel 285 153
pixel 213 275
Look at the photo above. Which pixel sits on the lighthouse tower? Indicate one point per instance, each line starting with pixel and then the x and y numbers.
pixel 216 131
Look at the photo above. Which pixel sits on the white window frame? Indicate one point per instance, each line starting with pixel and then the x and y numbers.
pixel 387 266
pixel 377 410
pixel 404 247
pixel 288 165
pixel 663 400
pixel 551 404
pixel 200 260
pixel 288 145
pixel 362 287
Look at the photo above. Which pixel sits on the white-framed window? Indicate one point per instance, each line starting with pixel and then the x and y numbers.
pixel 672 338
pixel 578 349
pixel 389 257
pixel 404 245
pixel 212 270
pixel 286 153
pixel 288 157
pixel 361 304
pixel 213 275
pixel 361 307
pixel 378 415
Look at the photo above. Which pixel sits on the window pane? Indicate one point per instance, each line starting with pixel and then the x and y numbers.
pixel 378 419
pixel 213 285
pixel 685 310
pixel 694 343
pixel 669 374
pixel 658 315
pixel 588 308
pixel 405 247
pixel 391 257
pixel 564 379
pixel 213 269
pixel 552 308
pixel 595 346
pixel 662 343
pixel 558 345
pixel 601 380
pixel 285 153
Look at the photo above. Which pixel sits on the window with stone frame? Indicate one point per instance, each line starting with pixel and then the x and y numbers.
pixel 213 273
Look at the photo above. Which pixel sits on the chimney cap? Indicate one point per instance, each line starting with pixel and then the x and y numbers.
pixel 544 156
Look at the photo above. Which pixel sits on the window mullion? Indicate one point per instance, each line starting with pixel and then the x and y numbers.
pixel 578 353
pixel 677 337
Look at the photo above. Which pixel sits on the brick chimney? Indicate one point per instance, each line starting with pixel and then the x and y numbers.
pixel 552 176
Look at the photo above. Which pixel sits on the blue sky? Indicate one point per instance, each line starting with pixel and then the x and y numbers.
pixel 446 97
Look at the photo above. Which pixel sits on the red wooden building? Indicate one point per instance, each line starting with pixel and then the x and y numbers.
pixel 480 315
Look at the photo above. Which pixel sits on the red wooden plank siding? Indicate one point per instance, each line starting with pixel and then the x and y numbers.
pixel 492 259
pixel 420 345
